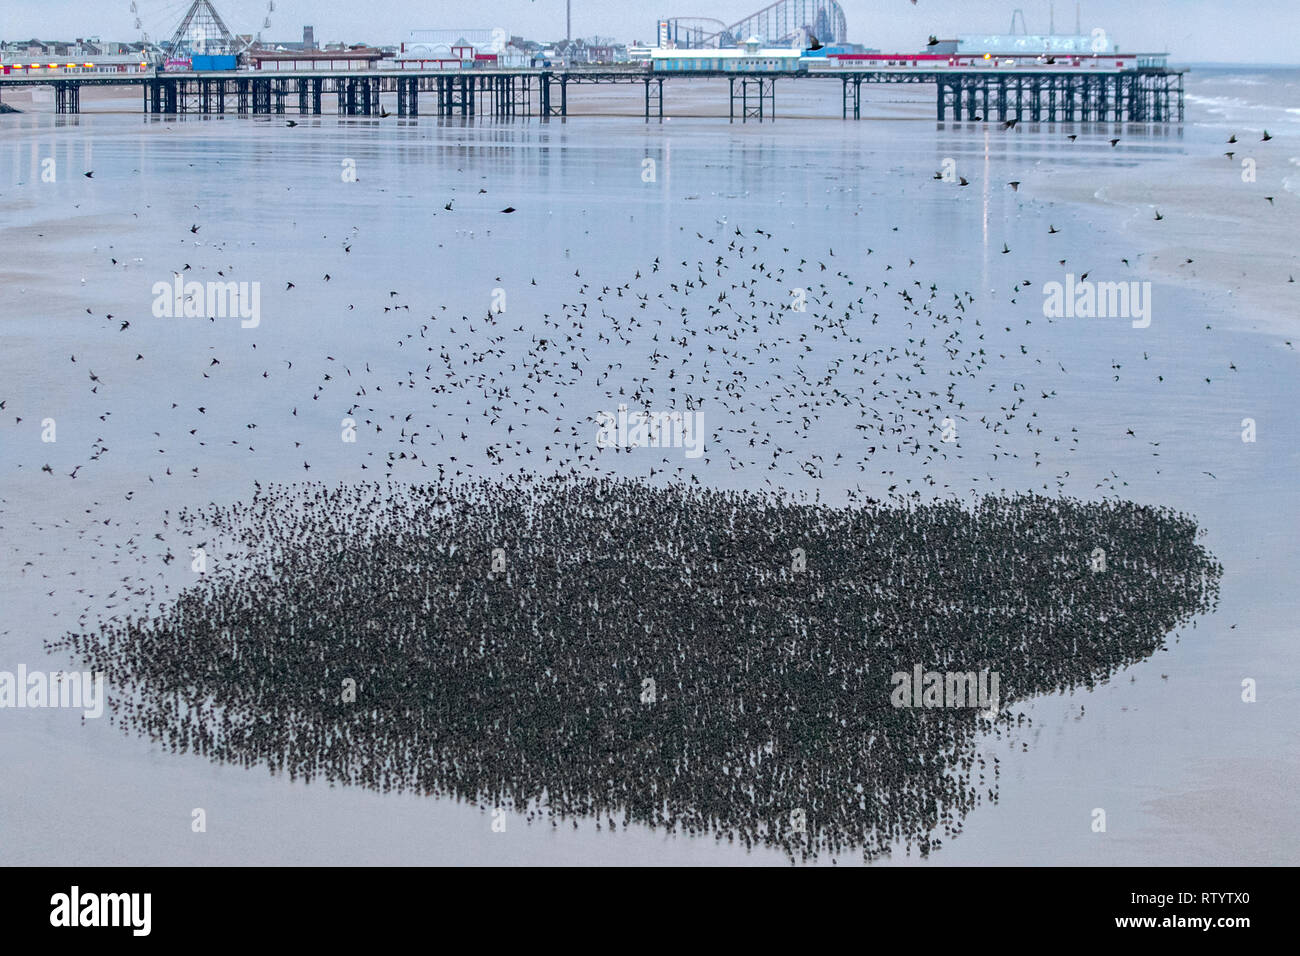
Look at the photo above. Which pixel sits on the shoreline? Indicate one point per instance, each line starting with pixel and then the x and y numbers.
pixel 1229 239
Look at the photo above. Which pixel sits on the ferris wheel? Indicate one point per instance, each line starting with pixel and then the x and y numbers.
pixel 172 28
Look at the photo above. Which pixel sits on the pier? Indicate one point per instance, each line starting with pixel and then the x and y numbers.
pixel 1147 95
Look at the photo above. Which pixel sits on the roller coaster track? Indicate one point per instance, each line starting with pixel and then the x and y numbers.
pixel 783 23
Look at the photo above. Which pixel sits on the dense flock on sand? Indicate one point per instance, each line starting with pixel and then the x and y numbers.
pixel 701 661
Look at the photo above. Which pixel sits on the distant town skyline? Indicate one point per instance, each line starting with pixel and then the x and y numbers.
pixel 1264 31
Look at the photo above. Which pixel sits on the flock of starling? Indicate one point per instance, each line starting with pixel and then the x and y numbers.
pixel 700 661
pixel 500 611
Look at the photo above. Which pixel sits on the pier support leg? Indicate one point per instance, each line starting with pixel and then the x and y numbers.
pixel 654 99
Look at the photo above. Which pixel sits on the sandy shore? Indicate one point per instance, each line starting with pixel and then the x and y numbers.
pixel 1135 411
pixel 1217 233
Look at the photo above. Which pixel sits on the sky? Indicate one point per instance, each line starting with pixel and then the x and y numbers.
pixel 1259 31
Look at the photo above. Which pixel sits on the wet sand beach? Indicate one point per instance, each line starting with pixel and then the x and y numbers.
pixel 876 378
